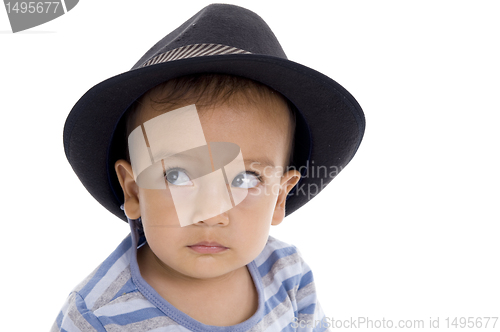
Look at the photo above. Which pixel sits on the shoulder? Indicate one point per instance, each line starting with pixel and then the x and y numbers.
pixel 287 285
pixel 281 264
pixel 114 270
pixel 277 256
pixel 103 296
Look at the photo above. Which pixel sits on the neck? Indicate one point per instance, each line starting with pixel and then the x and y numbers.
pixel 211 301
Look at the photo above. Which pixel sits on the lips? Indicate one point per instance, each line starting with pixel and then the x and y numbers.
pixel 205 247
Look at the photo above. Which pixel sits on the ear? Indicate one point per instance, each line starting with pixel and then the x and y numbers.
pixel 288 181
pixel 130 189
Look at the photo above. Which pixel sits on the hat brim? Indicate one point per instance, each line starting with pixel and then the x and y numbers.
pixel 330 121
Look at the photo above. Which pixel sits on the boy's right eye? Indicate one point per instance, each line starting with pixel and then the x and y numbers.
pixel 178 177
pixel 246 180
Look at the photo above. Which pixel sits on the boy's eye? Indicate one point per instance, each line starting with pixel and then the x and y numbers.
pixel 178 177
pixel 245 180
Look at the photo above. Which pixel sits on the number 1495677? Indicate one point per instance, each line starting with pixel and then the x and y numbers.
pixel 32 7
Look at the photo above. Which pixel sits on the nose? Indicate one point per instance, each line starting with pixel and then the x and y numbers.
pixel 219 220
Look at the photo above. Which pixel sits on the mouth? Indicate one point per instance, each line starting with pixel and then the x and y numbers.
pixel 205 247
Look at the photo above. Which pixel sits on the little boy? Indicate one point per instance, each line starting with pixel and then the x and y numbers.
pixel 204 145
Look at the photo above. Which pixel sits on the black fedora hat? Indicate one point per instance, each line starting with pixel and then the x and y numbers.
pixel 223 39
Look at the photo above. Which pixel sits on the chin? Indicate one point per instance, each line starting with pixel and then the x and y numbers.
pixel 209 270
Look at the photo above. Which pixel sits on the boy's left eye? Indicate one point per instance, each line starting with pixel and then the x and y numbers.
pixel 245 180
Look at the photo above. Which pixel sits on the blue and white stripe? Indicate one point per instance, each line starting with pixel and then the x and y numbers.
pixel 109 299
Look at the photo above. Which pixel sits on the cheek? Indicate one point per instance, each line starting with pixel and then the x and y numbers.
pixel 167 244
pixel 254 215
pixel 157 208
pixel 261 199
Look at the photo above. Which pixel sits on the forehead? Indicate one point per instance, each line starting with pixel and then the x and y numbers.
pixel 262 102
pixel 258 120
pixel 260 130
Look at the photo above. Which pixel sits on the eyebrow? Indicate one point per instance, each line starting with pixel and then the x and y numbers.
pixel 257 162
pixel 180 155
pixel 260 162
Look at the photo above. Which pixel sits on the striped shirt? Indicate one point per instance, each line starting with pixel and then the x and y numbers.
pixel 116 298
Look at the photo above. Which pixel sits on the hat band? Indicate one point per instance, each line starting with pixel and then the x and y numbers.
pixel 194 50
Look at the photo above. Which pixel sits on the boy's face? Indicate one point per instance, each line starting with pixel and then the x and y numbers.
pixel 218 245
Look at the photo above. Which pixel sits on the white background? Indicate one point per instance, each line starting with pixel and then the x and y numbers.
pixel 409 230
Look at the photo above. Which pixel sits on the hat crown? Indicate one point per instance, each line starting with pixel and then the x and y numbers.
pixel 221 24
